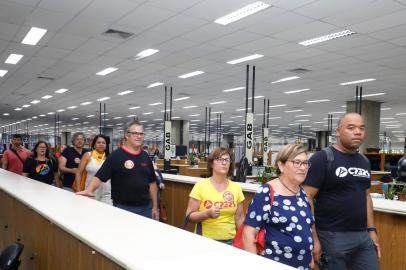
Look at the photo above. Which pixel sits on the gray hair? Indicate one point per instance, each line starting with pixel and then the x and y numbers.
pixel 132 123
pixel 77 134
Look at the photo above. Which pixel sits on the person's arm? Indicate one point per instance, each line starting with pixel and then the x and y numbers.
pixel 371 224
pixel 4 161
pixel 196 216
pixel 25 174
pixel 248 238
pixel 153 191
pixel 63 168
pixel 57 179
pixel 80 169
pixel 94 184
pixel 311 193
pixel 239 215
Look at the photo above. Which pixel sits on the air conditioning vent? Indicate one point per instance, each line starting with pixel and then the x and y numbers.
pixel 300 70
pixel 117 34
pixel 45 78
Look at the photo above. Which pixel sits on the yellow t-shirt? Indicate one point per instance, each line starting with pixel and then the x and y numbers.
pixel 223 227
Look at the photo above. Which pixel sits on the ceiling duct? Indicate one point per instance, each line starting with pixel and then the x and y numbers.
pixel 117 34
pixel 299 70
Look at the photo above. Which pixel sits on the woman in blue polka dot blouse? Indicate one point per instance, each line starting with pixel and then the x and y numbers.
pixel 288 222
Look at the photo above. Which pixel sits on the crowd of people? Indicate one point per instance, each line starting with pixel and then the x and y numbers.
pixel 318 211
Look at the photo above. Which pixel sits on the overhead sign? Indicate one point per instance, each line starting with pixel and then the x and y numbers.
pixel 265 145
pixel 167 138
pixel 249 136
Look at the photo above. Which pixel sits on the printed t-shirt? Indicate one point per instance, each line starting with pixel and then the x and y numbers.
pixel 223 227
pixel 72 161
pixel 40 170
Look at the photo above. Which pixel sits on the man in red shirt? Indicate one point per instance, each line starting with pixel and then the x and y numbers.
pixel 13 158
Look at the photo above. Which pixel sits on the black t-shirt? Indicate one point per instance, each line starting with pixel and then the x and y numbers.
pixel 340 204
pixel 130 176
pixel 39 170
pixel 72 161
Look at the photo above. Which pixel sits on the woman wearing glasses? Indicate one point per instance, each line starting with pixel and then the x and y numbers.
pixel 40 166
pixel 288 221
pixel 216 202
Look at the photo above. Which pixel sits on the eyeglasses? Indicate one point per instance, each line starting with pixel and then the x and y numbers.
pixel 42 147
pixel 223 160
pixel 139 134
pixel 298 163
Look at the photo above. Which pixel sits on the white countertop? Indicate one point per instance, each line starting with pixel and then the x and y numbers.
pixel 380 205
pixel 132 241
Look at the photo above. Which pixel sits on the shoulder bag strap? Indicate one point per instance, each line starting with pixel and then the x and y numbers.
pixel 15 152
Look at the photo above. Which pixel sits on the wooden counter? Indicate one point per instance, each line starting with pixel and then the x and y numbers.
pixel 390 217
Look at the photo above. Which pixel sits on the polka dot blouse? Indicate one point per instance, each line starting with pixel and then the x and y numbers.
pixel 287 224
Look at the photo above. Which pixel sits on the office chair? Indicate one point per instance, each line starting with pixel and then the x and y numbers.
pixel 10 257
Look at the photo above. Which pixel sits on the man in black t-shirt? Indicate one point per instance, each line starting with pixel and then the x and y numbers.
pixel 133 180
pixel 70 159
pixel 338 191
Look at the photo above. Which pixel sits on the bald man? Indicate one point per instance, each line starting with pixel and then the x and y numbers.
pixel 338 191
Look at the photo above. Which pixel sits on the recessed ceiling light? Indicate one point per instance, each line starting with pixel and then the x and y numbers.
pixel 146 113
pixel 6 114
pixel 302 120
pixel 33 36
pixel 60 110
pixel 275 117
pixel 358 81
pixel 336 112
pixel 244 59
pixel 216 112
pixel 275 106
pixel 191 74
pixel 135 107
pixel 125 92
pixel 242 109
pixel 85 103
pixel 233 89
pixel 296 91
pixel 46 97
pixel 90 116
pixel 34 117
pixel 190 107
pixel 75 118
pixel 326 37
pixel 389 122
pixel 294 111
pixel 35 101
pixel 145 53
pixel 218 102
pixel 13 58
pixel 387 118
pixel 317 100
pixel 117 117
pixel 193 115
pixel 18 109
pixel 242 13
pixel 26 105
pixel 386 109
pixel 132 115
pixel 181 98
pixel 155 104
pixel 72 107
pixel 61 91
pixel 286 79
pixel 103 98
pixel 3 72
pixel 236 116
pixel 50 113
pixel 154 84
pixel 106 71
pixel 372 95
pixel 334 118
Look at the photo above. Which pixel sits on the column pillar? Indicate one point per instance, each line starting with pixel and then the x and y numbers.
pixel 65 138
pixel 109 133
pixel 321 139
pixel 180 133
pixel 371 111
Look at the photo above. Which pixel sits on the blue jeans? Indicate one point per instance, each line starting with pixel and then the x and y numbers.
pixel 347 250
pixel 145 210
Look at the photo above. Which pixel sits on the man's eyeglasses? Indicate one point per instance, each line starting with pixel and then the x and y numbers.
pixel 298 163
pixel 223 160
pixel 138 134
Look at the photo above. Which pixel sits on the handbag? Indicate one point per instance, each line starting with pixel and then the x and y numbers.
pixel 259 238
pixel 198 225
pixel 163 213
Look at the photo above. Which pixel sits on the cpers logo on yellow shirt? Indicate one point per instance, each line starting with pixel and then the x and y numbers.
pixel 227 203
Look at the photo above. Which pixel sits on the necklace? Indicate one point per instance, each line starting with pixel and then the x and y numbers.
pixel 287 187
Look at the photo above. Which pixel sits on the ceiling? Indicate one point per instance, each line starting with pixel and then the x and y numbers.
pixel 74 50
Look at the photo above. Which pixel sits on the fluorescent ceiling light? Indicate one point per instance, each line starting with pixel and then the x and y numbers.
pixel 387 118
pixel 145 53
pixel 386 109
pixel 62 90
pixel 60 110
pixel 6 114
pixel 216 112
pixel 193 115
pixel 72 107
pixel 256 97
pixel 90 116
pixel 26 105
pixel 302 120
pixel 389 122
pixel 125 92
pixel 103 98
pixel 286 79
pixel 106 71
pixel 46 97
pixel 154 84
pixel 146 113
pixel 275 106
pixel 190 107
pixel 296 91
pixel 321 122
pixel 358 81
pixel 244 59
pixel 237 116
pixel 403 113
pixel 233 89
pixel 334 118
pixel 218 102
pixel 3 72
pixel 242 13
pixel 13 58
pixel 50 113
pixel 117 117
pixel 303 115
pixel 33 36
pixel 175 117
pixel 181 98
pixel 17 109
pixel 42 115
pixel 397 131
pixel 85 103
pixel 155 104
pixel 135 107
pixel 317 100
pixel 242 109
pixel 132 115
pixel 372 95
pixel 294 111
pixel 326 37
pixel 275 117
pixel 336 112
pixel 191 74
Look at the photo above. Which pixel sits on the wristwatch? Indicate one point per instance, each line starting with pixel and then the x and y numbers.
pixel 372 229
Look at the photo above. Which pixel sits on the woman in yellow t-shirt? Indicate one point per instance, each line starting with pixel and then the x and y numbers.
pixel 216 202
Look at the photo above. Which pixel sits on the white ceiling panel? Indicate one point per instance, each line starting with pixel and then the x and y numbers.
pixel 110 11
pixel 14 13
pixel 66 41
pixel 380 23
pixel 96 46
pixel 178 25
pixel 49 20
pixel 85 27
pixel 50 52
pixel 70 7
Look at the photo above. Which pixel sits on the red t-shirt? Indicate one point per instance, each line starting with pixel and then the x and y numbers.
pixel 14 164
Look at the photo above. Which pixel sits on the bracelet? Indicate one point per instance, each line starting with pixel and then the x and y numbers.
pixel 372 229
